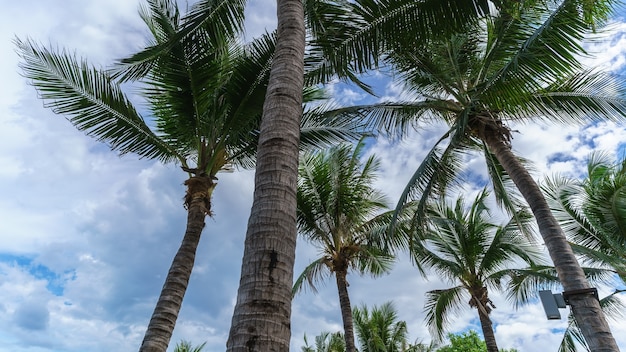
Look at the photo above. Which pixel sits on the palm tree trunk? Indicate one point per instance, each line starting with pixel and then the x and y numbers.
pixel 488 334
pixel 585 307
pixel 262 317
pixel 346 310
pixel 165 313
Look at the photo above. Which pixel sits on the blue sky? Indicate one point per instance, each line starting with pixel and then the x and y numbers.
pixel 86 237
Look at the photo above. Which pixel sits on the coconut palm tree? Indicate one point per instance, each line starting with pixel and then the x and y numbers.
pixel 592 212
pixel 472 253
pixel 516 65
pixel 337 208
pixel 262 314
pixel 379 330
pixel 205 93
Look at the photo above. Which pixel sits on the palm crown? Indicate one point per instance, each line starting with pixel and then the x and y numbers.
pixel 337 209
pixel 194 93
pixel 463 246
pixel 378 329
pixel 500 69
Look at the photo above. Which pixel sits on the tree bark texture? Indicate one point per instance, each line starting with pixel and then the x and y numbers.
pixel 488 334
pixel 262 316
pixel 346 310
pixel 585 307
pixel 163 320
pixel 480 300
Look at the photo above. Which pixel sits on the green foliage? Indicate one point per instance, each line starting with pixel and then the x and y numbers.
pixel 379 330
pixel 337 208
pixel 592 212
pixel 463 246
pixel 326 342
pixel 497 70
pixel 204 89
pixel 185 346
pixel 467 342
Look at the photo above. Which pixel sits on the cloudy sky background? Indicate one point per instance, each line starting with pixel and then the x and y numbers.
pixel 86 237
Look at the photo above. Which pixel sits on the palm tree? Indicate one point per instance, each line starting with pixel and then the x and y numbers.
pixel 514 65
pixel 336 208
pixel 592 212
pixel 180 89
pixel 380 330
pixel 262 313
pixel 205 92
pixel 326 342
pixel 462 246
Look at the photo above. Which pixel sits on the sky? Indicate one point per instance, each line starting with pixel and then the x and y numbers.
pixel 86 236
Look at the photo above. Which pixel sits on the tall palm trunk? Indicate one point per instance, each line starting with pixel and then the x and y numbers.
pixel 487 327
pixel 165 313
pixel 262 317
pixel 480 300
pixel 585 307
pixel 346 310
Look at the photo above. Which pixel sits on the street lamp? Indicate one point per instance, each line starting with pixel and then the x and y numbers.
pixel 553 301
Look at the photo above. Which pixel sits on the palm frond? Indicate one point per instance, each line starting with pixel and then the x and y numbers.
pixel 508 244
pixel 572 337
pixel 312 273
pixel 525 283
pixel 506 193
pixel 579 98
pixel 591 213
pixel 392 119
pixel 440 307
pixel 215 20
pixel 353 39
pixel 162 18
pixel 563 196
pixel 320 130
pixel 185 346
pixel 437 172
pixel 91 101
pixel 529 46
pixel 374 261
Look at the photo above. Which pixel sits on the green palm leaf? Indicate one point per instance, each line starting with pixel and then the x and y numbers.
pixel 312 273
pixel 440 307
pixel 220 19
pixel 91 101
